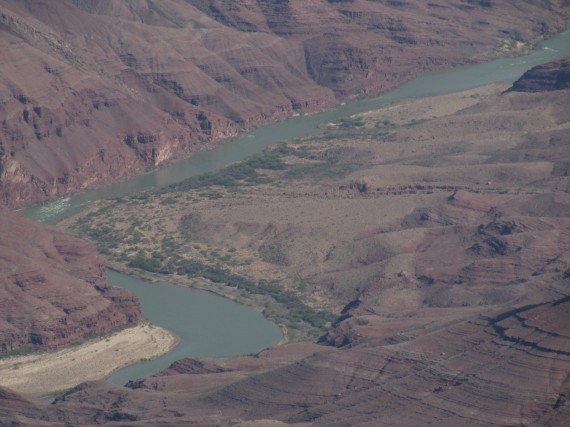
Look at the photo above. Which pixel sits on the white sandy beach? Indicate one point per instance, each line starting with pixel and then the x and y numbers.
pixel 43 373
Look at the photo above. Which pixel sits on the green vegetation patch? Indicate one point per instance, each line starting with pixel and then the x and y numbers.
pixel 296 310
pixel 252 171
pixel 138 231
pixel 241 173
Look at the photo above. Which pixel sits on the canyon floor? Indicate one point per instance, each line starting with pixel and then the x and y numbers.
pixel 354 211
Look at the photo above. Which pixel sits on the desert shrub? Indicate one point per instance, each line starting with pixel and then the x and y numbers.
pixel 274 253
pixel 296 309
pixel 168 201
pixel 190 225
pixel 244 172
pixel 350 122
pixel 148 264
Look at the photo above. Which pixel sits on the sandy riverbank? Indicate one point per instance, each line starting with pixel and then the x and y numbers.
pixel 44 373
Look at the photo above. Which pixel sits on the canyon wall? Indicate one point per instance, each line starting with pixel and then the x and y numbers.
pixel 94 91
pixel 547 77
pixel 53 289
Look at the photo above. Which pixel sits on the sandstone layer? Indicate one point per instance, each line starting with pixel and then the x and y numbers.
pixel 507 368
pixel 53 289
pixel 92 91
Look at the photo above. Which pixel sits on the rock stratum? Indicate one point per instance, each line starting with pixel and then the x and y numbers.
pixel 53 289
pixel 93 91
pixel 552 76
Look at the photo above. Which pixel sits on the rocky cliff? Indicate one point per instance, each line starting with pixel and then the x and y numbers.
pixel 364 47
pixel 552 76
pixel 53 289
pixel 92 91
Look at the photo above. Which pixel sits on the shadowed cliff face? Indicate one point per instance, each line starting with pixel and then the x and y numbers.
pixel 53 290
pixel 92 91
pixel 552 76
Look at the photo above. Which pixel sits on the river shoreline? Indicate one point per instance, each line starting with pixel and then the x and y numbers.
pixel 201 284
pixel 43 374
pixel 445 104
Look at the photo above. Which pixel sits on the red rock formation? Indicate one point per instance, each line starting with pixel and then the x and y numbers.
pixel 91 92
pixel 80 80
pixel 485 348
pixel 16 406
pixel 552 76
pixel 363 47
pixel 53 290
pixel 90 97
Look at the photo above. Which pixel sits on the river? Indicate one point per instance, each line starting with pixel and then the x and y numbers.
pixel 227 328
pixel 207 324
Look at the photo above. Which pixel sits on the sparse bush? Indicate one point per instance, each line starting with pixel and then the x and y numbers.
pixel 273 253
pixel 148 264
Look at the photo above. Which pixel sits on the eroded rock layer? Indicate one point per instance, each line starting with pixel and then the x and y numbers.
pixel 466 325
pixel 53 289
pixel 552 76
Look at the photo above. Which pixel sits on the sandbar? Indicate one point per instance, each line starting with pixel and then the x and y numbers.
pixel 45 373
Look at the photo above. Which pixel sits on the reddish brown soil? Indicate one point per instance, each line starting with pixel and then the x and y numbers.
pixel 92 91
pixel 505 368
